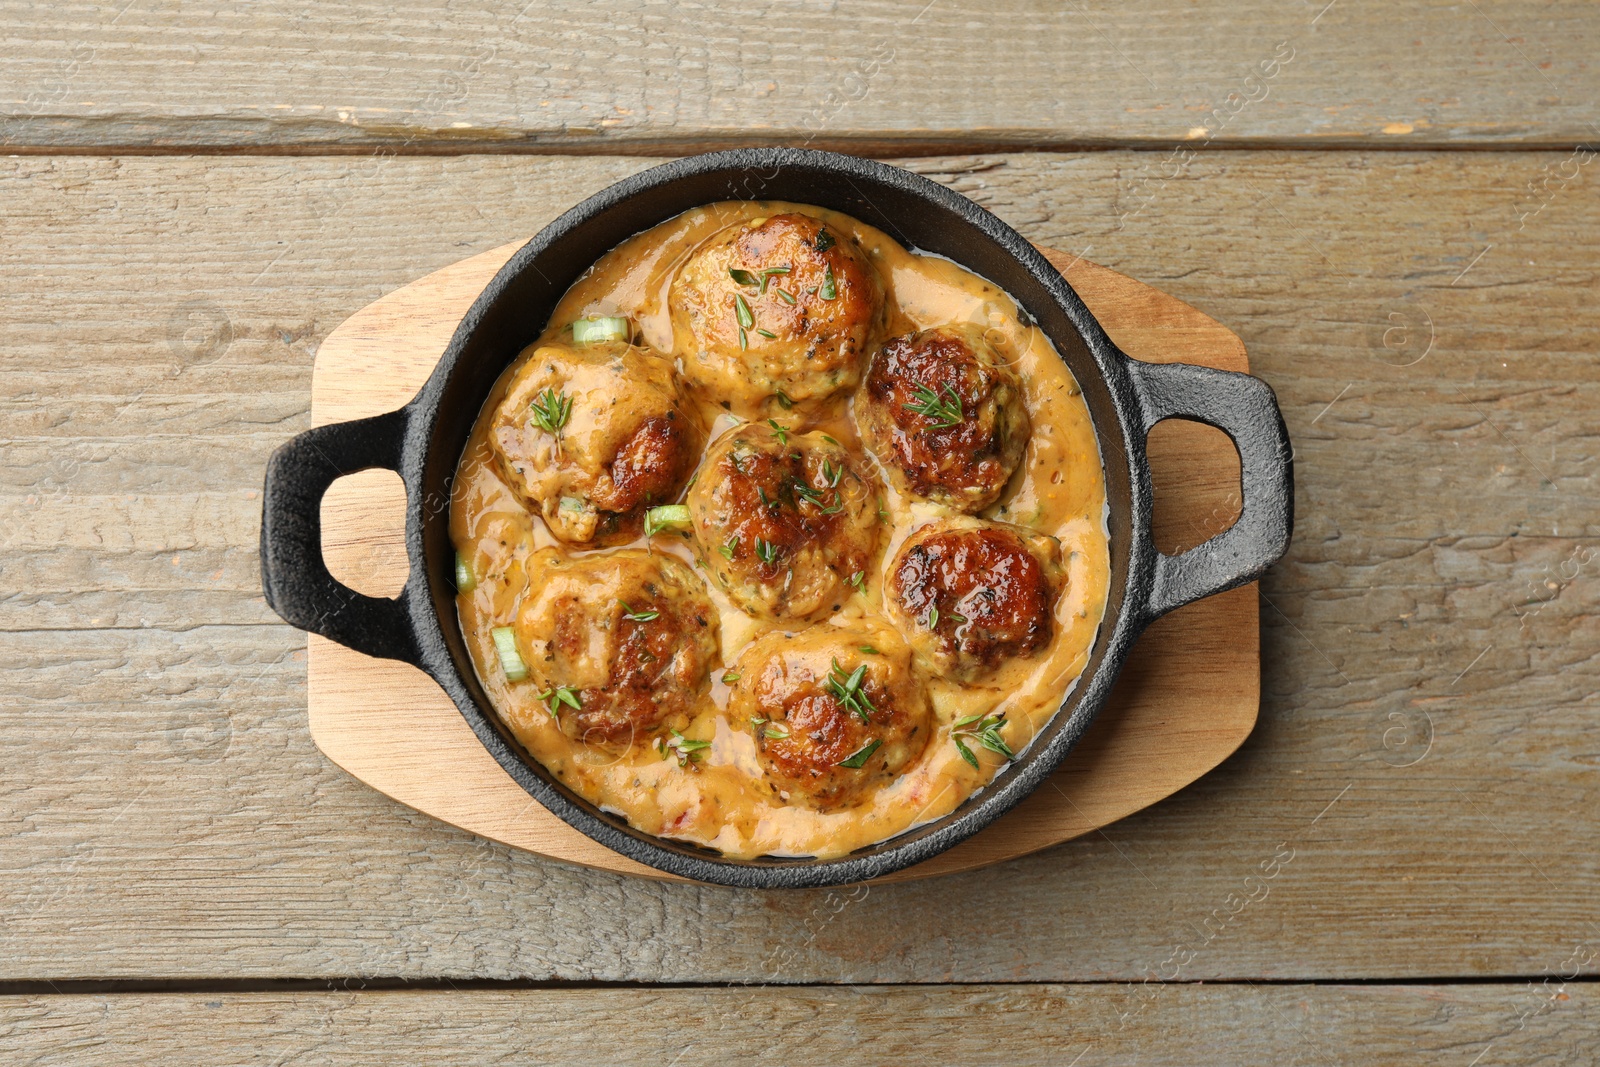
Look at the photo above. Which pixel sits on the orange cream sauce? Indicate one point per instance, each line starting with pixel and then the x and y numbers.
pixel 1058 489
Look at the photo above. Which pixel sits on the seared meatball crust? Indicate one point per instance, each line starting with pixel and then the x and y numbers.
pixel 832 722
pixel 972 595
pixel 628 635
pixel 806 283
pixel 786 522
pixel 946 415
pixel 589 436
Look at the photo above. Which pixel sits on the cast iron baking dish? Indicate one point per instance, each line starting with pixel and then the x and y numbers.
pixel 423 442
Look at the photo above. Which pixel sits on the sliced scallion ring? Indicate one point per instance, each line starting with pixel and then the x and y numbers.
pixel 600 328
pixel 505 643
pixel 666 517
pixel 466 581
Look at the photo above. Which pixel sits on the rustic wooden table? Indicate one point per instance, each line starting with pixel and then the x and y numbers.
pixel 1392 205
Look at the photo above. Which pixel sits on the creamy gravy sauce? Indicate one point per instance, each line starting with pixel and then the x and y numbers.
pixel 1058 489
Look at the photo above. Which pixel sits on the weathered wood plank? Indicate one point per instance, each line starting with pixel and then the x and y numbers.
pixel 875 76
pixel 1429 664
pixel 1545 1022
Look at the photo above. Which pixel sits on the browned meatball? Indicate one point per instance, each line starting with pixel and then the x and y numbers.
pixel 786 522
pixel 831 720
pixel 946 415
pixel 617 643
pixel 592 435
pixel 973 594
pixel 784 305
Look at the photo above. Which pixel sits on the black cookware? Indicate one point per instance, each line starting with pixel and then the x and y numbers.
pixel 424 440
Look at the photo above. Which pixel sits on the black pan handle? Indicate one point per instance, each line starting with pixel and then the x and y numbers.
pixel 293 573
pixel 1246 410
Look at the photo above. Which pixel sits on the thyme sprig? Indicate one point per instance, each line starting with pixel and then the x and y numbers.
pixel 943 409
pixel 850 691
pixel 558 695
pixel 551 410
pixel 985 730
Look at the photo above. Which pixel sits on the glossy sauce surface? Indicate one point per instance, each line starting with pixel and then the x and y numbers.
pixel 722 798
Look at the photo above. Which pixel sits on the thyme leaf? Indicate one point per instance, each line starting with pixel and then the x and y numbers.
pixel 859 757
pixel 638 616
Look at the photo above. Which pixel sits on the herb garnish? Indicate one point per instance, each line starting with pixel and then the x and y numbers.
pixel 682 747
pixel 848 690
pixel 638 616
pixel 784 400
pixel 555 697
pixel 730 548
pixel 779 432
pixel 784 295
pixel 551 410
pixel 832 473
pixel 933 619
pixel 824 240
pixel 729 677
pixel 768 334
pixel 830 288
pixel 858 758
pixel 869 650
pixel 856 579
pixel 943 409
pixel 773 731
pixel 766 551
pixel 984 729
pixel 743 277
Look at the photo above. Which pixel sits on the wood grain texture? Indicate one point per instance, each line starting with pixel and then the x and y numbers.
pixel 1429 671
pixel 1187 698
pixel 871 75
pixel 1087 1026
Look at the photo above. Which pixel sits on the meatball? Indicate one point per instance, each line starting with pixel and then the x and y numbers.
pixel 973 594
pixel 785 521
pixel 946 415
pixel 618 643
pixel 592 435
pixel 785 305
pixel 836 712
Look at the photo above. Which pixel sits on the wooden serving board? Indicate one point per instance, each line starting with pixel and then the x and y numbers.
pixel 1187 697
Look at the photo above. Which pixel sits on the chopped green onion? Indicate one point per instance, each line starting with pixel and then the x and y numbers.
pixel 666 517
pixel 466 581
pixel 505 643
pixel 600 328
